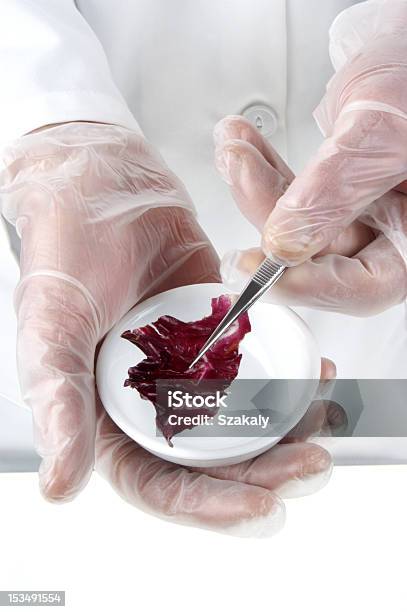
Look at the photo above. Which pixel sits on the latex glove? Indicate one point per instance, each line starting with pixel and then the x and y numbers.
pixel 360 272
pixel 244 499
pixel 364 156
pixel 103 223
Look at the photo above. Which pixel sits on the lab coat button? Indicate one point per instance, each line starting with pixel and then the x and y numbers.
pixel 263 117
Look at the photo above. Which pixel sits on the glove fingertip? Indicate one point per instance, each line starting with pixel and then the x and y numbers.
pixel 60 485
pixel 269 521
pixel 232 277
pixel 307 485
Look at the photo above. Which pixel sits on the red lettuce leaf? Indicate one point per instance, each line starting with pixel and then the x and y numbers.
pixel 170 345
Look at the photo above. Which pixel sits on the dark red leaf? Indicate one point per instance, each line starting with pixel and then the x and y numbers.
pixel 170 345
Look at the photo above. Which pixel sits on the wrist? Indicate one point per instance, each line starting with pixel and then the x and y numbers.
pixel 93 166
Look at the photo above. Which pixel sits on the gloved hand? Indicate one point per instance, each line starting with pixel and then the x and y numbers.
pixel 364 157
pixel 103 224
pixel 361 272
pixel 102 220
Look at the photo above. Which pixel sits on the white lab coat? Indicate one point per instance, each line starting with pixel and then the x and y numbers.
pixel 173 69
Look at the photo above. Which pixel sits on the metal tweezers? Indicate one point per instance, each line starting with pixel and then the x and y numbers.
pixel 265 276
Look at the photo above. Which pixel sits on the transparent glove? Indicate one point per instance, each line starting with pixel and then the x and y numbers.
pixel 364 156
pixel 103 224
pixel 102 221
pixel 361 272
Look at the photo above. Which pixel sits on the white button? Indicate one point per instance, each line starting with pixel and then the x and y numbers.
pixel 263 117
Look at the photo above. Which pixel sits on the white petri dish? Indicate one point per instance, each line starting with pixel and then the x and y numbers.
pixel 280 347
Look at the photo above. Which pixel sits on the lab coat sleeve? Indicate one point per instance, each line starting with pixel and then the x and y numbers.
pixel 53 69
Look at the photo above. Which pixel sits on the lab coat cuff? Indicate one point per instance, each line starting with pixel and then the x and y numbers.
pixel 64 107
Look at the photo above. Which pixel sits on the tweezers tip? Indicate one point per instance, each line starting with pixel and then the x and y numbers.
pixel 191 365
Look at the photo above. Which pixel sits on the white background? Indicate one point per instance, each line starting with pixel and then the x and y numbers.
pixel 342 549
